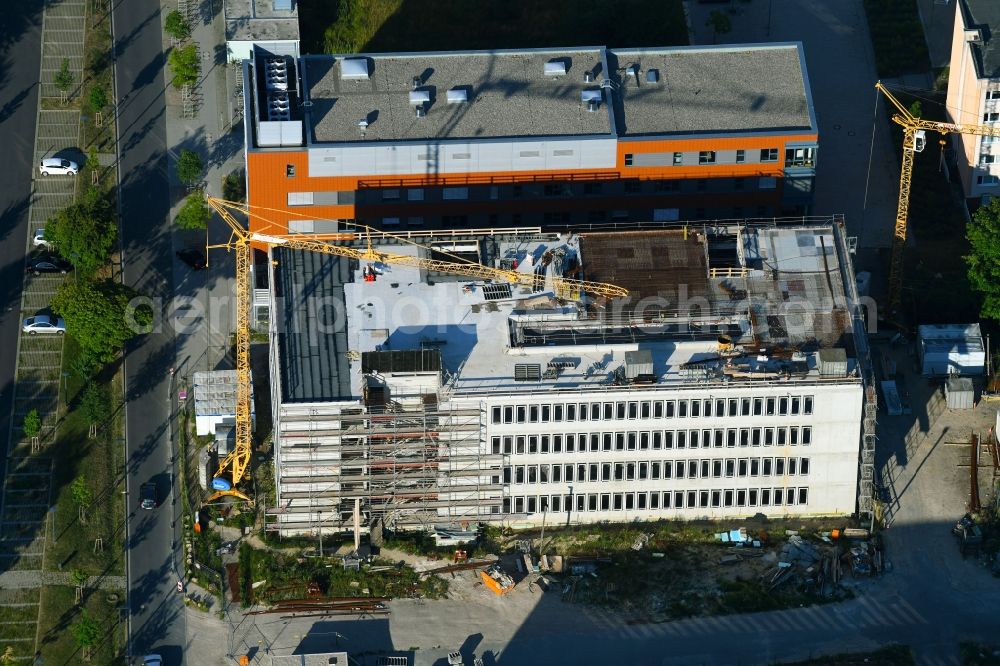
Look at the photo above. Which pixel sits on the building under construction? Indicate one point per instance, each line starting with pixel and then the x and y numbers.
pixel 733 380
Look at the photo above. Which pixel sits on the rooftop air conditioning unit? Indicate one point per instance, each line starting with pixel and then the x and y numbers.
pixel 555 68
pixel 588 77
pixel 420 111
pixel 458 96
pixel 588 96
pixel 420 97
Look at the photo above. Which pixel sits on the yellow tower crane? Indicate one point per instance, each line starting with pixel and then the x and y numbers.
pixel 914 141
pixel 238 461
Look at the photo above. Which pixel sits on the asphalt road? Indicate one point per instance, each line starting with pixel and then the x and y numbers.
pixel 157 610
pixel 20 56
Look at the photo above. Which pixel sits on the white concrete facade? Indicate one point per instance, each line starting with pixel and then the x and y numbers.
pixel 797 440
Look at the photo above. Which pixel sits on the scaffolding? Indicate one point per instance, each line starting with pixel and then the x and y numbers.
pixel 412 465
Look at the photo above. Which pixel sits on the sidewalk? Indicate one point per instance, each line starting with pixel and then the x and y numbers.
pixel 203 297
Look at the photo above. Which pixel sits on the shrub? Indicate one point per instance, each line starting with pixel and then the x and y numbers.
pixel 194 214
pixel 189 167
pixel 63 79
pixel 177 26
pixel 32 424
pixel 98 98
pixel 184 65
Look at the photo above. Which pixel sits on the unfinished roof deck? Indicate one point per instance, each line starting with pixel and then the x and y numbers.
pixel 508 94
pixel 712 90
pixel 785 294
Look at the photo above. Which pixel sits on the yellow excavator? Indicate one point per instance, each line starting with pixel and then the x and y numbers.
pixel 236 465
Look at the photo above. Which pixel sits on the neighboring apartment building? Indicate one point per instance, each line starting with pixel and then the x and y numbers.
pixel 974 96
pixel 733 380
pixel 531 137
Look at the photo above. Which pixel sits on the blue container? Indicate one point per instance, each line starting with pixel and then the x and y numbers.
pixel 221 484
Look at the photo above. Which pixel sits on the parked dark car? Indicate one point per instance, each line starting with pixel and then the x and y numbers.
pixel 147 495
pixel 193 258
pixel 48 264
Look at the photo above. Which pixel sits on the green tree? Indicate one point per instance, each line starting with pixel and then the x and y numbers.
pixel 32 424
pixel 184 64
pixel 189 167
pixel 720 23
pixel 98 98
pixel 195 213
pixel 78 577
pixel 177 26
pixel 100 317
pixel 86 631
pixel 96 403
pixel 63 79
pixel 916 110
pixel 81 492
pixel 984 260
pixel 85 232
pixel 234 187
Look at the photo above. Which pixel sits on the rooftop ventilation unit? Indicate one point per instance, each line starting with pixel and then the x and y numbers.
pixel 652 76
pixel 592 106
pixel 527 372
pixel 420 97
pixel 278 106
pixel 639 366
pixel 555 68
pixel 420 111
pixel 633 71
pixel 458 96
pixel 588 96
pixel 588 77
pixel 276 73
pixel 354 68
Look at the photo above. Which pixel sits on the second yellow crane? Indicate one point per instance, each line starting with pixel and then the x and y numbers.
pixel 914 141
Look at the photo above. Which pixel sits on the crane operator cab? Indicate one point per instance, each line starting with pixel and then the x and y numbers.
pixel 919 141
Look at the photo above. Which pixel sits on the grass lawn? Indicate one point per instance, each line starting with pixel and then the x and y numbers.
pixel 59 613
pixel 897 37
pixel 893 655
pixel 432 25
pixel 96 460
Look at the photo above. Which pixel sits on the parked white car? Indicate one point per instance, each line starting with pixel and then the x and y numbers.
pixel 43 324
pixel 38 240
pixel 57 166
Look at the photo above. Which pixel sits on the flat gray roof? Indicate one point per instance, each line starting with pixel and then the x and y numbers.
pixel 257 20
pixel 312 339
pixel 695 90
pixel 711 90
pixel 509 95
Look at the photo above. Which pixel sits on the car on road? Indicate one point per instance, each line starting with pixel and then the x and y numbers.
pixel 38 240
pixel 193 258
pixel 43 324
pixel 58 166
pixel 47 263
pixel 147 495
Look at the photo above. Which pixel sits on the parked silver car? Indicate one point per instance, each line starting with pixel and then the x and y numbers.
pixel 43 324
pixel 58 166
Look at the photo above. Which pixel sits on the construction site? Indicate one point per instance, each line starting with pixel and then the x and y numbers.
pixel 451 379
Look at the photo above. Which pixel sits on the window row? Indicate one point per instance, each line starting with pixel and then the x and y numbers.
pixel 653 409
pixel 655 470
pixel 668 499
pixel 651 440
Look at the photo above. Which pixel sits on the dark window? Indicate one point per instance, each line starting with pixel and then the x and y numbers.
pixel 290 170
pixel 678 159
pixel 708 157
pixel 741 156
pixel 769 155
pixel 628 159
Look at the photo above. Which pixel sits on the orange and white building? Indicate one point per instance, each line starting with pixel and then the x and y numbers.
pixel 530 137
